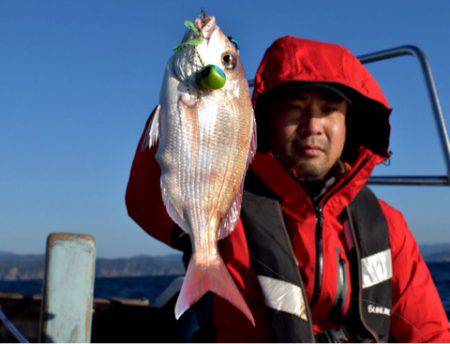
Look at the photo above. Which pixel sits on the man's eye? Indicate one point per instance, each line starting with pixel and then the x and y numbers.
pixel 294 113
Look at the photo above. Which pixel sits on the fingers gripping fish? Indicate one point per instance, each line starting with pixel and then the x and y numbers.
pixel 206 138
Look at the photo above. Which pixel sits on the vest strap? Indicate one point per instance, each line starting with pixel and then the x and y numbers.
pixel 371 235
pixel 277 269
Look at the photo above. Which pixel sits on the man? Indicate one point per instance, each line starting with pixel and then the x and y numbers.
pixel 315 255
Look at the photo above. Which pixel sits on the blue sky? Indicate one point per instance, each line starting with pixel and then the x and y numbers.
pixel 79 78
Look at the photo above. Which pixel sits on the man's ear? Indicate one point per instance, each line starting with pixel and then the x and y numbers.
pixel 351 146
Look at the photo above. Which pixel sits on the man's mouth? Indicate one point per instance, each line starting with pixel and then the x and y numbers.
pixel 311 151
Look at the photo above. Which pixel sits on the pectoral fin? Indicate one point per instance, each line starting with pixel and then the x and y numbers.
pixel 228 223
pixel 253 144
pixel 152 131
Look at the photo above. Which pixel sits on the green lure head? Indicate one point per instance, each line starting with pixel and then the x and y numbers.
pixel 198 38
pixel 212 78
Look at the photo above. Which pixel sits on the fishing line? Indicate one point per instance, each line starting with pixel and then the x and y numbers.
pixel 268 268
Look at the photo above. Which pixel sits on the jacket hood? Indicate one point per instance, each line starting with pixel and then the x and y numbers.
pixel 295 60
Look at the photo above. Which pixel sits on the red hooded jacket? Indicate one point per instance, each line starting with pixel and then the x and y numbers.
pixel 417 313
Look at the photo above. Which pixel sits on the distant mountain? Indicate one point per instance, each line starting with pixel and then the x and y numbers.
pixel 434 253
pixel 15 267
pixel 429 250
pixel 442 257
pixel 140 266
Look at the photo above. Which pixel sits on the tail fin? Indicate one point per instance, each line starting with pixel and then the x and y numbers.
pixel 216 278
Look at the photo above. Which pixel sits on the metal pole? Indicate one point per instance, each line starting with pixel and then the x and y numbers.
pixel 409 180
pixel 67 304
pixel 416 52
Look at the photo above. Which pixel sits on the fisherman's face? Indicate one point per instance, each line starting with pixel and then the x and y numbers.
pixel 308 131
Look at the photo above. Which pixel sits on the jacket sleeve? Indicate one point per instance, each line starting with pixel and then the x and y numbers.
pixel 143 196
pixel 417 312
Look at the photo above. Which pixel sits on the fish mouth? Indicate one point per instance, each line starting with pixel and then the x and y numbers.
pixel 187 66
pixel 206 26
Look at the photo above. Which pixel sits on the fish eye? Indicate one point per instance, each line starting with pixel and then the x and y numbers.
pixel 228 60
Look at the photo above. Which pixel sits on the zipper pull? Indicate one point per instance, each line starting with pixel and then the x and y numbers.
pixel 319 214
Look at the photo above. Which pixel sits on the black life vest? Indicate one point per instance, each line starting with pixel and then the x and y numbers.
pixel 280 280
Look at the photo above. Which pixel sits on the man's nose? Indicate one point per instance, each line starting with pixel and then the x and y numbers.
pixel 311 124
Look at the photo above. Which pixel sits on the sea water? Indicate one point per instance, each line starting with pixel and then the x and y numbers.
pixel 149 287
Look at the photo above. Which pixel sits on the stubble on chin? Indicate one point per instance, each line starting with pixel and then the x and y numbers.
pixel 301 166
